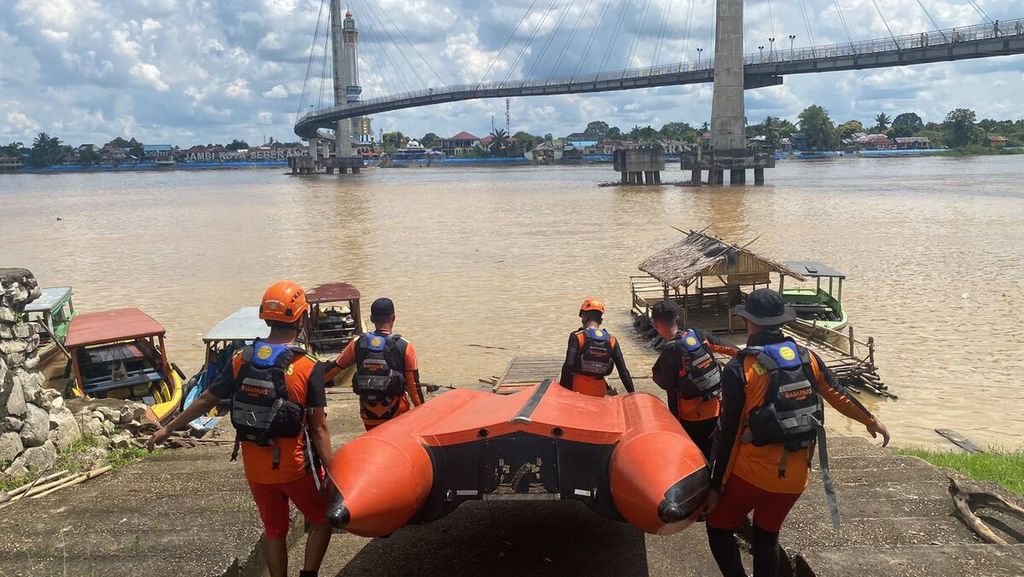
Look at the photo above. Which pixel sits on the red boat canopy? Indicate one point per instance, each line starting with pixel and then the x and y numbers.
pixel 111 326
pixel 332 292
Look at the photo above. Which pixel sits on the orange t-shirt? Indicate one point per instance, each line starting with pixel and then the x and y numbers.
pixel 258 460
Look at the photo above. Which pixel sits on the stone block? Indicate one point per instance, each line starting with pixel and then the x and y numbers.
pixel 11 424
pixel 36 428
pixel 91 426
pixel 16 401
pixel 33 460
pixel 64 429
pixel 10 447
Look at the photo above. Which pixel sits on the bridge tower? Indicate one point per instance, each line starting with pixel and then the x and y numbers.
pixel 345 54
pixel 728 112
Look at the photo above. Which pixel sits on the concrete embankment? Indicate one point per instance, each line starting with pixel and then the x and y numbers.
pixel 189 513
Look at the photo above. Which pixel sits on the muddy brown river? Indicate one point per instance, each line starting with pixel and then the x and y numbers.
pixel 933 249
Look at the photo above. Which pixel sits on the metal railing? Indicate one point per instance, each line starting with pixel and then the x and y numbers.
pixel 951 36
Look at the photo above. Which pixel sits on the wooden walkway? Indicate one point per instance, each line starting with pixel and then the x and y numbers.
pixel 526 371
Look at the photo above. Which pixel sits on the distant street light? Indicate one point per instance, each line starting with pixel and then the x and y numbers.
pixel 699 50
pixel 771 48
pixel 761 48
pixel 792 54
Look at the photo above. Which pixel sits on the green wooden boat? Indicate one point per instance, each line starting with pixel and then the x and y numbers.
pixel 52 311
pixel 820 303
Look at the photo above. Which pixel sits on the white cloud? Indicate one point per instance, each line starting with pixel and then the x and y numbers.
pixel 149 75
pixel 278 92
pixel 88 69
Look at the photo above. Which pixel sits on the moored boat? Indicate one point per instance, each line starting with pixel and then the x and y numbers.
pixel 121 354
pixel 239 329
pixel 335 319
pixel 819 305
pixel 52 311
pixel 625 457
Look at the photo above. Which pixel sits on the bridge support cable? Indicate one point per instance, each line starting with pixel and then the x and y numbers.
pixel 687 31
pixel 376 20
pixel 590 40
pixel 807 26
pixel 661 34
pixel 641 20
pixel 842 19
pixel 553 72
pixel 979 10
pixel 309 64
pixel 386 68
pixel 934 23
pixel 549 40
pixel 507 41
pixel 886 22
pixel 529 42
pixel 615 36
pixel 412 46
pixel 326 73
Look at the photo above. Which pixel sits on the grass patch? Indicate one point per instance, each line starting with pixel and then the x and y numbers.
pixel 67 461
pixel 996 466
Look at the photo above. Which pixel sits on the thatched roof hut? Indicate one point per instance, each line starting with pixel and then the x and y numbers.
pixel 702 255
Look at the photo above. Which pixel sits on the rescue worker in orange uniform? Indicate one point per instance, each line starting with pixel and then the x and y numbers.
pixel 387 377
pixel 771 419
pixel 689 372
pixel 278 411
pixel 591 355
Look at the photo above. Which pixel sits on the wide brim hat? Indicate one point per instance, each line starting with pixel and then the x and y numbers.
pixel 765 307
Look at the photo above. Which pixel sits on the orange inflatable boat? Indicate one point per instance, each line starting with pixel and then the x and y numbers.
pixel 626 457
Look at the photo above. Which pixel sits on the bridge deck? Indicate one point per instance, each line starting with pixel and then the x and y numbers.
pixel 964 43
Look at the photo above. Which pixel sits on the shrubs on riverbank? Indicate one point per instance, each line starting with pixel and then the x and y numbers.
pixel 995 466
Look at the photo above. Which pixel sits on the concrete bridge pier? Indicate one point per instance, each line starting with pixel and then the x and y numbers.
pixel 640 166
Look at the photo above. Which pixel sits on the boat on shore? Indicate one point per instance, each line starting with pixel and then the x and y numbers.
pixel 819 305
pixel 52 312
pixel 230 335
pixel 121 354
pixel 625 457
pixel 335 319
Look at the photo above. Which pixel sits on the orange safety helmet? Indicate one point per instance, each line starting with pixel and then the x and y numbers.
pixel 592 304
pixel 284 302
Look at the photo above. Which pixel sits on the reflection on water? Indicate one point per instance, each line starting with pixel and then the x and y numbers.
pixel 503 257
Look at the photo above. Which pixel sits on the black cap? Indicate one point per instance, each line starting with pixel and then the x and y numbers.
pixel 765 308
pixel 382 307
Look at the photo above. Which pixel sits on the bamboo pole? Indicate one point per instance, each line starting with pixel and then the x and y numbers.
pixel 75 481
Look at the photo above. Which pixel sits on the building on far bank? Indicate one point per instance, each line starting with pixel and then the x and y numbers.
pixel 913 142
pixel 582 140
pixel 876 142
pixel 11 163
pixel 997 141
pixel 460 144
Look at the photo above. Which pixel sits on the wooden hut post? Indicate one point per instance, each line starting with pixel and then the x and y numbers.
pixel 852 351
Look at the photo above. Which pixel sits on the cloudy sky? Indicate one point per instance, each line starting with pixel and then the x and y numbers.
pixel 184 71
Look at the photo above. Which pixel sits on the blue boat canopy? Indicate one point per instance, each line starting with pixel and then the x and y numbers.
pixel 50 299
pixel 814 269
pixel 243 325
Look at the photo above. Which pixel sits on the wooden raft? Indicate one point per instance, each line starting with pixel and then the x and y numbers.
pixel 526 371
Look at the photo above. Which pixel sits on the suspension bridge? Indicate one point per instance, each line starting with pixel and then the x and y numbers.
pixel 752 70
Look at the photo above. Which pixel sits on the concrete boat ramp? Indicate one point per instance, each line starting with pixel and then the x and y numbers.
pixel 188 513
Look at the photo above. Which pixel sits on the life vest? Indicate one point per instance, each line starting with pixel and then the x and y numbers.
pixel 792 410
pixel 793 414
pixel 595 358
pixel 703 376
pixel 380 367
pixel 260 408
